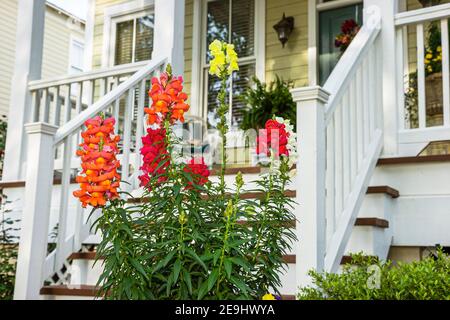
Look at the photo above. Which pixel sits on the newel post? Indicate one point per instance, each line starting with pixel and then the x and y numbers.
pixel 36 211
pixel 27 66
pixel 310 183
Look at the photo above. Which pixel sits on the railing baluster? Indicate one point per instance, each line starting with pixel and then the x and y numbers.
pixel 366 106
pixel 116 107
pixel 445 70
pixel 400 78
pixel 68 105
pixel 353 132
pixel 57 103
pixel 127 136
pixel 421 76
pixel 346 144
pixel 339 164
pixel 64 202
pixel 359 117
pixel 330 179
pixel 35 106
pixel 46 103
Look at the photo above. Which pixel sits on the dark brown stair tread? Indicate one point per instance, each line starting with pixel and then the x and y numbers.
pixel 415 159
pixel 287 297
pixel 374 222
pixel 83 256
pixel 348 259
pixel 70 290
pixel 384 189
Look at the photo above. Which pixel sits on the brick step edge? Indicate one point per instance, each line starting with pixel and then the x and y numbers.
pixel 91 291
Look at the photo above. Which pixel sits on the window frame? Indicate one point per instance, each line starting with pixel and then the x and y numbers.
pixel 258 57
pixel 114 22
pixel 114 14
pixel 81 42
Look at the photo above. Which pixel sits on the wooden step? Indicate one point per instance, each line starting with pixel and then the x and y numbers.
pixel 92 291
pixel 416 159
pixel 70 290
pixel 383 189
pixel 348 259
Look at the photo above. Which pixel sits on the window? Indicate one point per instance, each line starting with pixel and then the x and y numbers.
pixel 133 38
pixel 76 61
pixel 232 21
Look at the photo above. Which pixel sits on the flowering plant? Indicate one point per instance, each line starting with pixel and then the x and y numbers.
pixel 188 236
pixel 349 29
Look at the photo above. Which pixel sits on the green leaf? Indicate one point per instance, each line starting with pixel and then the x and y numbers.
pixel 196 257
pixel 213 278
pixel 138 267
pixel 203 290
pixel 240 262
pixel 176 270
pixel 228 266
pixel 187 280
pixel 238 283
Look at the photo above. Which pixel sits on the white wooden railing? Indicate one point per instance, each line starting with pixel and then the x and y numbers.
pixel 411 41
pixel 340 139
pixel 34 265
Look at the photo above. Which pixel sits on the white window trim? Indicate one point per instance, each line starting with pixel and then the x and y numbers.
pixel 111 15
pixel 80 40
pixel 199 52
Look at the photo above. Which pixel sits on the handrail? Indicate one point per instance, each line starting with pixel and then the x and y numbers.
pixel 423 15
pixel 340 78
pixel 86 76
pixel 106 100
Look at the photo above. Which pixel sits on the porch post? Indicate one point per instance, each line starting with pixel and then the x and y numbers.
pixel 387 10
pixel 36 211
pixel 310 186
pixel 28 63
pixel 169 32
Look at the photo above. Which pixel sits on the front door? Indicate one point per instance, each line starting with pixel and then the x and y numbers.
pixel 330 22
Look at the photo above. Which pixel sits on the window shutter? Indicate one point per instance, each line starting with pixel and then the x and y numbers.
pixel 243 27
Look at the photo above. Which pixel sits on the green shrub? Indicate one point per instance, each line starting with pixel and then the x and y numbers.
pixel 264 101
pixel 8 250
pixel 369 279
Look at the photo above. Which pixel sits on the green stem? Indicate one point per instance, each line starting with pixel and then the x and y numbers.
pixel 223 129
pixel 222 255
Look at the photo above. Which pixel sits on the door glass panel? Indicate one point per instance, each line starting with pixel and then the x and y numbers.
pixel 144 38
pixel 330 23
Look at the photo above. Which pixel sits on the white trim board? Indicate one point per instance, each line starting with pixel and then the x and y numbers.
pixel 116 11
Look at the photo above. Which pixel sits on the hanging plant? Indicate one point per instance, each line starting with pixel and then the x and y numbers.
pixel 349 30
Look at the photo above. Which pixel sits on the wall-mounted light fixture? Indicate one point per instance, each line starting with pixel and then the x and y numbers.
pixel 284 28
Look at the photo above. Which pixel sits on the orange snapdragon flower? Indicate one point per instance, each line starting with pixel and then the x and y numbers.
pixel 168 99
pixel 98 179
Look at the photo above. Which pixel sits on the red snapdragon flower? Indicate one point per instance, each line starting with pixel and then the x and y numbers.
pixel 153 151
pixel 273 138
pixel 99 179
pixel 199 171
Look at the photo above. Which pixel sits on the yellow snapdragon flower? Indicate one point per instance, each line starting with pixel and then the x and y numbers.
pixel 224 58
pixel 268 296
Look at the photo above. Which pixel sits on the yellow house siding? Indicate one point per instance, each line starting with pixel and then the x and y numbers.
pixel 8 8
pixel 188 23
pixel 56 46
pixel 58 31
pixel 290 62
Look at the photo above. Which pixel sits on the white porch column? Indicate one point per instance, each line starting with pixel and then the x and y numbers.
pixel 29 44
pixel 169 32
pixel 36 211
pixel 311 231
pixel 387 10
